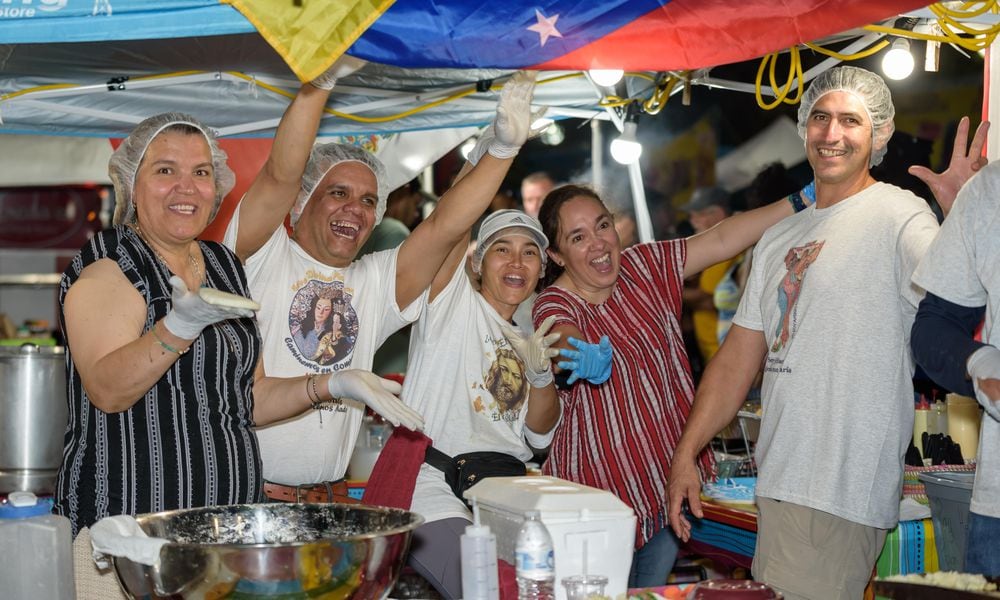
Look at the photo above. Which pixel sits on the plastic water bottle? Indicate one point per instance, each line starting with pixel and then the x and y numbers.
pixel 535 561
pixel 38 549
pixel 479 561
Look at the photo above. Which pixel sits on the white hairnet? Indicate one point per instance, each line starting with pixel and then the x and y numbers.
pixel 325 157
pixel 128 156
pixel 867 87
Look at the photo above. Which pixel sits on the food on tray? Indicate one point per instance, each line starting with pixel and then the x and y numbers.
pixel 947 579
pixel 220 298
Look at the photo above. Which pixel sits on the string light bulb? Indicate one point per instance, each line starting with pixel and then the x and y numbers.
pixel 898 61
pixel 626 148
pixel 606 77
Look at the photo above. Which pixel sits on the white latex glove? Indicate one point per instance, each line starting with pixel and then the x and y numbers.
pixel 512 125
pixel 121 536
pixel 344 66
pixel 536 351
pixel 191 314
pixel 376 393
pixel 985 364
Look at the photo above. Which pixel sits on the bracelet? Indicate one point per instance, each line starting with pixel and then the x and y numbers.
pixel 796 201
pixel 313 400
pixel 165 345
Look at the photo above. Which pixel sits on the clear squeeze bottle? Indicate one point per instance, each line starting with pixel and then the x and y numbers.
pixel 479 561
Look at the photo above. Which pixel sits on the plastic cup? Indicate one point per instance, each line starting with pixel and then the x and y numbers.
pixel 585 587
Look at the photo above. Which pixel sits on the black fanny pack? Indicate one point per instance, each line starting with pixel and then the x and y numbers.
pixel 465 470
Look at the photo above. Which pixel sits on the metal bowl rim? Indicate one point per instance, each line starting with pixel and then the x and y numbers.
pixel 417 521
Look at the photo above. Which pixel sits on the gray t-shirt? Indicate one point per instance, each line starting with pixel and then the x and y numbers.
pixel 830 289
pixel 961 267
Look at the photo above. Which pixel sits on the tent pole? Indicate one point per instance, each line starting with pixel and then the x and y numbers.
pixel 642 221
pixel 596 154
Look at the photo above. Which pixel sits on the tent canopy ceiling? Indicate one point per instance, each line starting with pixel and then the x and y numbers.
pixel 85 68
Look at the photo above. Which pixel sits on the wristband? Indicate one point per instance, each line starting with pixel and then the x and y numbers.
pixel 797 202
pixel 165 345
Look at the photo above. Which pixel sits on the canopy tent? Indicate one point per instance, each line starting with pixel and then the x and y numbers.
pixel 84 67
pixel 97 67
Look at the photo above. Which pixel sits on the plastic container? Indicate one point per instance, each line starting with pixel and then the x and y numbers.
pixel 38 549
pixel 949 494
pixel 963 424
pixel 585 587
pixel 534 560
pixel 480 578
pixel 581 520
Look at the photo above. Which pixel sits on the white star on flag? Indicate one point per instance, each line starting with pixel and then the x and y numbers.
pixel 546 26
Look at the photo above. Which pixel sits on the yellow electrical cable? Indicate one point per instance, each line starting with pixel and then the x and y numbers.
pixel 794 76
pixel 856 56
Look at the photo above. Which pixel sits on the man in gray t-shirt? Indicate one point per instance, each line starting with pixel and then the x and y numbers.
pixel 827 312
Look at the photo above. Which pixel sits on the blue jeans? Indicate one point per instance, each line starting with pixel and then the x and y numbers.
pixel 982 553
pixel 652 563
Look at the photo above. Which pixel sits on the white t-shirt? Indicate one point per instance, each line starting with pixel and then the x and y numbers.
pixel 468 383
pixel 830 289
pixel 360 313
pixel 963 266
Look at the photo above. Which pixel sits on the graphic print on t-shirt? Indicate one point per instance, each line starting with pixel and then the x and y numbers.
pixel 504 380
pixel 797 261
pixel 323 324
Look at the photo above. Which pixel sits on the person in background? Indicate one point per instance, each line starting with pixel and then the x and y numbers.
pixel 959 273
pixel 165 388
pixel 707 208
pixel 832 281
pixel 629 385
pixel 481 385
pixel 534 188
pixel 626 227
pixel 335 194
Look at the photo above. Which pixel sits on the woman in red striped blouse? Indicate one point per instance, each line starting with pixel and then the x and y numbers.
pixel 619 434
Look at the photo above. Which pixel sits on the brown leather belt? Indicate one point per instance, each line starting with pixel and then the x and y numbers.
pixel 329 491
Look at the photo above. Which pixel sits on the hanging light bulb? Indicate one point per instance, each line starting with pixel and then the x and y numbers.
pixel 898 62
pixel 626 149
pixel 606 77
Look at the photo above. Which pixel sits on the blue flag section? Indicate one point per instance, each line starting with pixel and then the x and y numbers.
pixel 508 34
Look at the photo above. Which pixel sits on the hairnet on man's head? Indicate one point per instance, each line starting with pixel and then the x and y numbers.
pixel 125 161
pixel 867 87
pixel 325 157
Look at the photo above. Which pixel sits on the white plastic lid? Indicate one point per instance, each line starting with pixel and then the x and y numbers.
pixel 22 499
pixel 552 497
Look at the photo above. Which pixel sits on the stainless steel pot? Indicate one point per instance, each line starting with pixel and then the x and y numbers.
pixel 33 416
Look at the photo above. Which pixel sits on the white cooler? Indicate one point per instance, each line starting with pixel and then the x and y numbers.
pixel 572 513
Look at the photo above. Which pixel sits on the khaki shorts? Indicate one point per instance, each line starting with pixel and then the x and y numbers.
pixel 808 553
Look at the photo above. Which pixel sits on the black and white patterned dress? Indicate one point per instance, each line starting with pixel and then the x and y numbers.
pixel 189 441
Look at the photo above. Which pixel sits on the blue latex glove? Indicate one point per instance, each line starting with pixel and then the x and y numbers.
pixel 589 361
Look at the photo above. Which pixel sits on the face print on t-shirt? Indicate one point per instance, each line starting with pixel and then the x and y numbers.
pixel 324 325
pixel 505 382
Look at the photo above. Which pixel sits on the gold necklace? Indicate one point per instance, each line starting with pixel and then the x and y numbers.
pixel 191 259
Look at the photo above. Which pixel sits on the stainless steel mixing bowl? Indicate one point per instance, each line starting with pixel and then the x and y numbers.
pixel 288 551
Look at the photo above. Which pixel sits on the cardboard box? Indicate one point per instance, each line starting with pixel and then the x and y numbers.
pixel 573 514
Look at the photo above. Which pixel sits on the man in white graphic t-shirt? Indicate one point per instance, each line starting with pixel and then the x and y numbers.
pixel 335 195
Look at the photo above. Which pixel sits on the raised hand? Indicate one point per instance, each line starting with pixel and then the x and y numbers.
pixel 377 393
pixel 961 168
pixel 344 66
pixel 512 125
pixel 536 351
pixel 591 362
